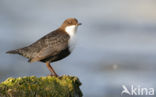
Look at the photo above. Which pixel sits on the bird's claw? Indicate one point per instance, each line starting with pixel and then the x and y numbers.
pixel 53 75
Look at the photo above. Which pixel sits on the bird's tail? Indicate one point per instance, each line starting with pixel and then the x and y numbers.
pixel 13 52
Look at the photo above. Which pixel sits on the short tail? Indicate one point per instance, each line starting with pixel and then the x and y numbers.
pixel 12 52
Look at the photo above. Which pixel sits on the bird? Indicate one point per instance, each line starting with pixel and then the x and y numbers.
pixel 52 47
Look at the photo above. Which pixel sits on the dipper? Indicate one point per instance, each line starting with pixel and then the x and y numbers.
pixel 54 46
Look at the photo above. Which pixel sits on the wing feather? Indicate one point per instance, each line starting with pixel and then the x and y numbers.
pixel 53 45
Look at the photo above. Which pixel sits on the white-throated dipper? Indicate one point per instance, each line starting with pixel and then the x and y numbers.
pixel 54 46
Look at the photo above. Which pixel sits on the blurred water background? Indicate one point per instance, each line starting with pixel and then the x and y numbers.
pixel 116 44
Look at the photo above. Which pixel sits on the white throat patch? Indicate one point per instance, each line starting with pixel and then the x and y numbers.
pixel 71 30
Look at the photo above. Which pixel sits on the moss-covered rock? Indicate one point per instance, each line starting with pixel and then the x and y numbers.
pixel 64 86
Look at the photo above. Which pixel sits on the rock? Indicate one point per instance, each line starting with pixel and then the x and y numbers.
pixel 50 86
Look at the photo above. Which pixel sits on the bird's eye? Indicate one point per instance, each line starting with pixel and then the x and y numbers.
pixel 70 22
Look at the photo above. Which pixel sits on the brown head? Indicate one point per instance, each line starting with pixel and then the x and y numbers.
pixel 70 22
pixel 70 26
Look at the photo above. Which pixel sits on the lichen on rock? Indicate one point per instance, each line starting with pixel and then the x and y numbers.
pixel 50 86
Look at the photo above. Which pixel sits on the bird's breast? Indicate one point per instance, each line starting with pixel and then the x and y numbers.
pixel 72 43
pixel 71 30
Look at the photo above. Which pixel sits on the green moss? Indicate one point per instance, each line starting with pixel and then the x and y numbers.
pixel 64 86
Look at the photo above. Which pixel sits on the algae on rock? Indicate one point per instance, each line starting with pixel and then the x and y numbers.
pixel 65 86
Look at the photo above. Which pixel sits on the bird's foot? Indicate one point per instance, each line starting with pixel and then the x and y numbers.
pixel 53 75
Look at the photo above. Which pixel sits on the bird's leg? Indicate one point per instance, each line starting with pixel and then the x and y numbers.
pixel 53 73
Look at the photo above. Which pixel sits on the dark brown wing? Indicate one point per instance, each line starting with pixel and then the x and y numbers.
pixel 54 45
pixel 49 45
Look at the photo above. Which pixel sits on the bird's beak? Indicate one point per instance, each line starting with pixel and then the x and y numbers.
pixel 79 24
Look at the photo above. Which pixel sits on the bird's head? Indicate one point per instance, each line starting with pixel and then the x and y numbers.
pixel 70 25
